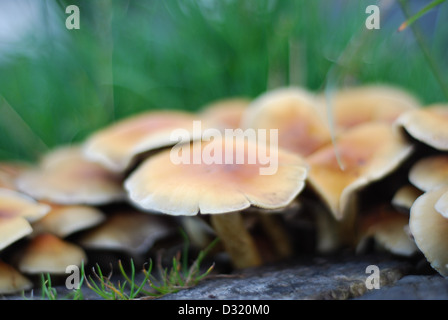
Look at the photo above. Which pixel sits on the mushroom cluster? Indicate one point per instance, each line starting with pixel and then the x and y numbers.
pixel 364 165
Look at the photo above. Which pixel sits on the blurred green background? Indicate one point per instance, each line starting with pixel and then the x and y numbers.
pixel 57 85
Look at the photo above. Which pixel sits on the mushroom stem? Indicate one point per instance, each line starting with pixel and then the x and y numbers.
pixel 236 240
pixel 277 235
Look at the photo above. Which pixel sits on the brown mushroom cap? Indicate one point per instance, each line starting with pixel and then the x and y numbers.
pixel 66 177
pixel 12 281
pixel 371 103
pixel 47 253
pixel 225 114
pixel 294 112
pixel 389 229
pixel 367 152
pixel 118 145
pixel 186 189
pixel 430 172
pixel 428 125
pixel 63 221
pixel 429 229
pixel 131 231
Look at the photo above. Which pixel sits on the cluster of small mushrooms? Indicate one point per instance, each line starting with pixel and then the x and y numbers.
pixel 363 165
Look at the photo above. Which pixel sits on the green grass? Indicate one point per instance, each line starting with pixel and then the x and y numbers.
pixel 127 285
pixel 131 56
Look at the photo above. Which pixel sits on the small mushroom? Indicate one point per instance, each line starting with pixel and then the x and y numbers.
pixel 47 253
pixel 66 177
pixel 224 114
pixel 118 146
pixel 430 172
pixel 367 153
pixel 129 231
pixel 65 220
pixel 429 229
pixel 388 228
pixel 405 197
pixel 353 106
pixel 294 113
pixel 428 125
pixel 12 281
pixel 16 213
pixel 221 189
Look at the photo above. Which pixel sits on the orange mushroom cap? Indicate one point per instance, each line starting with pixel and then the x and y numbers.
pixel 158 184
pixel 294 112
pixel 118 146
pixel 371 103
pixel 66 177
pixel 367 153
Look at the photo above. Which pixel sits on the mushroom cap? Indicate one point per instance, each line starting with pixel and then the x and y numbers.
pixel 428 125
pixel 13 229
pixel 429 229
pixel 16 213
pixel 225 114
pixel 294 112
pixel 63 221
pixel 47 253
pixel 66 177
pixel 131 231
pixel 12 281
pixel 160 185
pixel 118 146
pixel 14 204
pixel 389 229
pixel 356 105
pixel 405 197
pixel 430 172
pixel 368 152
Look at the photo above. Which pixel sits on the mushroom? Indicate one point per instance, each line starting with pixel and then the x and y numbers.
pixel 46 253
pixel 294 113
pixel 66 177
pixel 353 106
pixel 65 220
pixel 388 228
pixel 220 188
pixel 429 228
pixel 130 231
pixel 405 197
pixel 225 114
pixel 11 280
pixel 367 153
pixel 118 146
pixel 428 125
pixel 16 213
pixel 430 172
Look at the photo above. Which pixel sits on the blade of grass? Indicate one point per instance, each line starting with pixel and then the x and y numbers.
pixel 426 52
pixel 419 14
